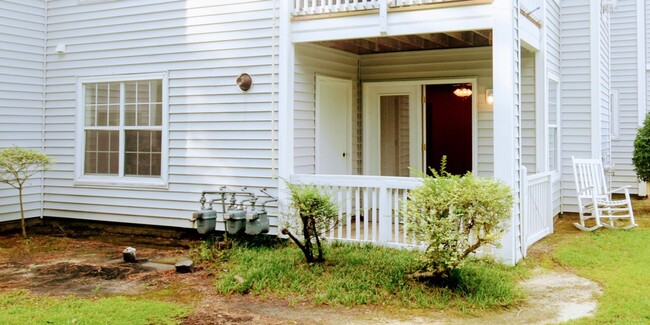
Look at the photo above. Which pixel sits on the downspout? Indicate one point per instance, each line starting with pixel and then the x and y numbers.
pixel 594 51
pixel 641 73
pixel 44 93
pixel 273 93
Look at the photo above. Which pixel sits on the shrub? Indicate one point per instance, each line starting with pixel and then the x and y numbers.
pixel 454 216
pixel 641 155
pixel 17 165
pixel 313 213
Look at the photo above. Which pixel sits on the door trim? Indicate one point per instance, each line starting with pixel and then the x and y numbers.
pixel 348 122
pixel 368 168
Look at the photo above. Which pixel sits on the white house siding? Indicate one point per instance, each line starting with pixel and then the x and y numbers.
pixel 440 64
pixel 624 80
pixel 312 60
pixel 218 135
pixel 575 92
pixel 528 118
pixel 22 37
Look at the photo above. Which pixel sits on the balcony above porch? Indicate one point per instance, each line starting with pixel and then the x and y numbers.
pixel 367 18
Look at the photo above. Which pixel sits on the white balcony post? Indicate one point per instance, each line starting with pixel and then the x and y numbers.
pixel 385 215
pixel 285 107
pixel 505 82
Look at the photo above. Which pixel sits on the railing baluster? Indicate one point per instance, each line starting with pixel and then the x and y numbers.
pixel 348 213
pixel 357 217
pixel 375 209
pixel 395 212
pixel 366 213
pixel 340 204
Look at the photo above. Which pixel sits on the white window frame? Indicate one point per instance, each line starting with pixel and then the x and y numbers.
pixel 557 125
pixel 614 115
pixel 115 180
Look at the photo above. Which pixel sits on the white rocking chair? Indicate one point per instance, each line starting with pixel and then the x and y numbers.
pixel 595 199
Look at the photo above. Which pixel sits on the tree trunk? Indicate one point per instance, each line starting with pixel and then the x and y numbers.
pixel 22 211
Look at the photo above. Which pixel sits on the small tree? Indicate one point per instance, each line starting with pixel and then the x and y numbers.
pixel 314 213
pixel 641 155
pixel 454 216
pixel 17 165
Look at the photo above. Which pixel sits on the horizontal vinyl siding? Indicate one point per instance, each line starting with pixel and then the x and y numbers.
pixel 312 60
pixel 441 64
pixel 22 36
pixel 528 118
pixel 624 80
pixel 218 135
pixel 552 24
pixel 575 92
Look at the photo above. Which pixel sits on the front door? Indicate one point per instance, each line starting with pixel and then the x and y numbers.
pixel 448 128
pixel 333 109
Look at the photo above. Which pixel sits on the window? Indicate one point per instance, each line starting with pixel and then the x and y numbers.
pixel 122 134
pixel 553 122
pixel 614 114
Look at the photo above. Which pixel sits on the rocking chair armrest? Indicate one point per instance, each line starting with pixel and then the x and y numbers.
pixel 623 188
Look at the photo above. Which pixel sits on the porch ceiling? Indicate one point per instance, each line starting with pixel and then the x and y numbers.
pixel 420 42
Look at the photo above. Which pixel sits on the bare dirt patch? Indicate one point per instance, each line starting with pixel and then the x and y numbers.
pixel 94 267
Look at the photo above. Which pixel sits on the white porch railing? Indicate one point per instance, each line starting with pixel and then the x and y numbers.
pixel 537 207
pixel 314 7
pixel 369 206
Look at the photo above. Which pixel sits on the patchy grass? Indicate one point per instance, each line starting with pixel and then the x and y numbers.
pixel 20 307
pixel 360 275
pixel 618 261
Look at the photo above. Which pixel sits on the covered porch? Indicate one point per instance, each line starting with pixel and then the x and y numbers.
pixel 370 114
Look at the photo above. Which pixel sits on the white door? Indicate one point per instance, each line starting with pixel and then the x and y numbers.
pixel 392 129
pixel 333 116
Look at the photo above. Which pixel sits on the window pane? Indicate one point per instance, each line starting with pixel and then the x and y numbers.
pixel 142 157
pixel 129 115
pixel 102 93
pixel 102 152
pixel 114 115
pixel 89 90
pixel 143 91
pixel 143 115
pixel 156 114
pixel 114 93
pixel 130 94
pixel 156 91
pixel 552 101
pixel 552 148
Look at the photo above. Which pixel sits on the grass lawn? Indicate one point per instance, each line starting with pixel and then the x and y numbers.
pixel 617 260
pixel 20 307
pixel 363 274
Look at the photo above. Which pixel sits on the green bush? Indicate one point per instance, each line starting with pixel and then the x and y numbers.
pixel 313 213
pixel 454 216
pixel 641 156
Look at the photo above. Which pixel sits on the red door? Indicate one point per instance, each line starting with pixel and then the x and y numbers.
pixel 448 128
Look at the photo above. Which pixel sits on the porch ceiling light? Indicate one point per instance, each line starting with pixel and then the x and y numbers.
pixel 463 92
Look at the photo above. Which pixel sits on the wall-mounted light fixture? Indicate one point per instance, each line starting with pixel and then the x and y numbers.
pixel 244 81
pixel 489 97
pixel 60 48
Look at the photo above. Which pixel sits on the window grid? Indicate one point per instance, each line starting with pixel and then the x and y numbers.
pixel 94 158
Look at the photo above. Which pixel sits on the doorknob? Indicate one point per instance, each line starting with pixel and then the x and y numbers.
pixel 344 155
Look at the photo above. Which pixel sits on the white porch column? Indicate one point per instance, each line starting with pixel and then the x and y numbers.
pixel 285 107
pixel 506 63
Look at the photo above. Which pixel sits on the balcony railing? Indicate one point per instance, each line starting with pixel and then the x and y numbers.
pixel 316 7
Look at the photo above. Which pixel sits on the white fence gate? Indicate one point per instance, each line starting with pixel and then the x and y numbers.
pixel 537 207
